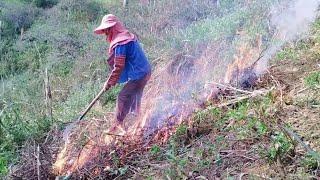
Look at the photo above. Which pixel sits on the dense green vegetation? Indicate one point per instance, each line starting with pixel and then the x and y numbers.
pixel 37 37
pixel 53 39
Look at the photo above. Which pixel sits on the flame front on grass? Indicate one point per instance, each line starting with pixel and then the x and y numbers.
pixel 174 92
pixel 243 67
pixel 168 101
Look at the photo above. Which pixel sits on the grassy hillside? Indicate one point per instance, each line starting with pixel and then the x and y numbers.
pixel 51 39
pixel 34 40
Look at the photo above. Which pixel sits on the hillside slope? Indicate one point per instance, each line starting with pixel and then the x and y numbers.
pixel 53 65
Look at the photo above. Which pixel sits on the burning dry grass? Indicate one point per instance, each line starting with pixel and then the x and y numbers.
pixel 168 102
pixel 248 54
pixel 92 153
pixel 83 142
pixel 90 150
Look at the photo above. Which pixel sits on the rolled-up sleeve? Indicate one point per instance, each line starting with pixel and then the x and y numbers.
pixel 118 66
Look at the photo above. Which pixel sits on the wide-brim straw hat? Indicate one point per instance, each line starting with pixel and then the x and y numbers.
pixel 107 22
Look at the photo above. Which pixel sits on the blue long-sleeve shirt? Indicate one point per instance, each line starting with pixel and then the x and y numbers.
pixel 136 63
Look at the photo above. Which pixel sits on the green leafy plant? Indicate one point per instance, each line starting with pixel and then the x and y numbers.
pixel 313 80
pixel 287 54
pixel 155 149
pixel 239 113
pixel 3 166
pixel 311 161
pixel 200 116
pixel 281 146
pixel 123 170
pixel 181 130
pixel 62 68
pixel 261 128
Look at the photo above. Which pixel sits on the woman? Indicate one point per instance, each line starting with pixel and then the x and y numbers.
pixel 129 65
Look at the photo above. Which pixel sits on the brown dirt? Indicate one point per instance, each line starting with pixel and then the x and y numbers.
pixel 297 108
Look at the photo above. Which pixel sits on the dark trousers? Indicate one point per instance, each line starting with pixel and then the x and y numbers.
pixel 129 98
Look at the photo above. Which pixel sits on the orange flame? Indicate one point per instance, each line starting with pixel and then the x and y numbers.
pixel 71 158
pixel 244 58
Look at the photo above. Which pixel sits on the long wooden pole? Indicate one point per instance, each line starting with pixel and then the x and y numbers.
pixel 91 104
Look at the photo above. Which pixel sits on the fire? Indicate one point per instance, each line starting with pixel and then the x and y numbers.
pixel 88 151
pixel 161 112
pixel 61 160
pixel 245 58
pixel 83 145
pixel 158 125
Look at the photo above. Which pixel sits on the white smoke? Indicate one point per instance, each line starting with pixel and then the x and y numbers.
pixel 288 23
pixel 295 21
pixel 181 93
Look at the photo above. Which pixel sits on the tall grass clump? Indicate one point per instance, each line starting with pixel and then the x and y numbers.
pixel 61 42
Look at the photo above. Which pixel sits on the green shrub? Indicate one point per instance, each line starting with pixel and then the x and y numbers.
pixel 62 68
pixel 155 149
pixel 11 64
pixel 311 161
pixel 239 113
pixel 45 3
pixel 17 60
pixel 3 166
pixel 181 130
pixel 313 80
pixel 17 16
pixel 82 10
pixel 281 146
pixel 287 54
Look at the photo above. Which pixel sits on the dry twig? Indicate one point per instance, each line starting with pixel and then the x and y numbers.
pixel 252 95
pixel 232 88
pixel 298 139
pixel 38 162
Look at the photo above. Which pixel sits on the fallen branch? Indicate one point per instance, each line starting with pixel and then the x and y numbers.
pixel 232 88
pixel 298 139
pixel 117 135
pixel 252 95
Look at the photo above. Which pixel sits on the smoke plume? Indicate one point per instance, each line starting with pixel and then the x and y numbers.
pixel 185 87
pixel 290 21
